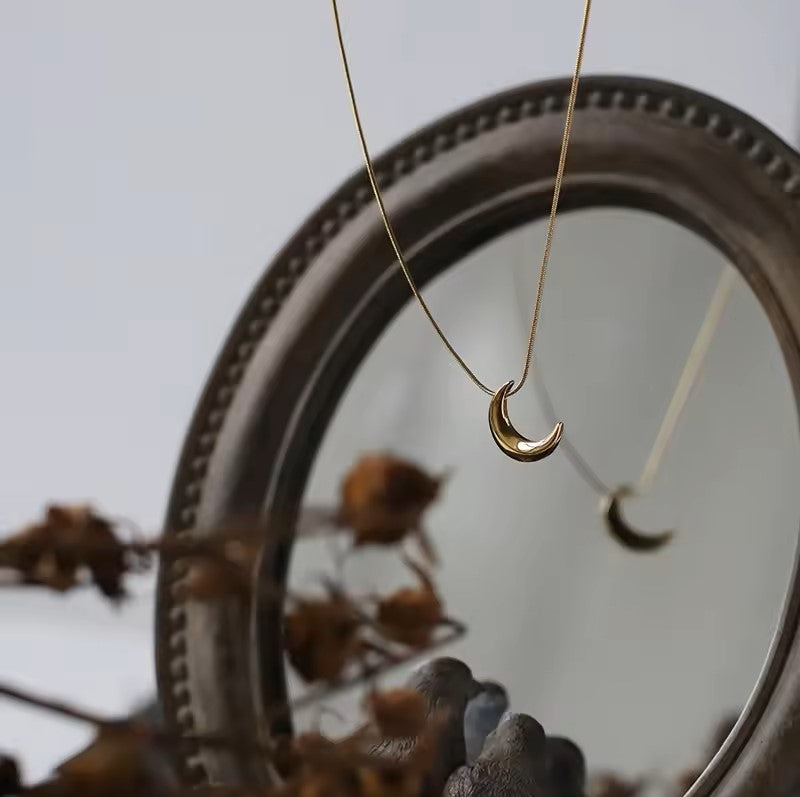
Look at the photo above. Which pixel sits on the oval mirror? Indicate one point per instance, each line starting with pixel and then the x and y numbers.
pixel 676 275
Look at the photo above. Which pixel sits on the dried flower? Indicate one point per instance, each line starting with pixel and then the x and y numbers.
pixel 397 713
pixel 328 639
pixel 411 614
pixel 53 553
pixel 383 499
pixel 120 761
pixel 402 780
pixel 340 782
pixel 321 637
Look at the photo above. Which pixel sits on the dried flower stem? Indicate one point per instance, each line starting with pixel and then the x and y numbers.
pixel 327 690
pixel 222 740
pixel 53 706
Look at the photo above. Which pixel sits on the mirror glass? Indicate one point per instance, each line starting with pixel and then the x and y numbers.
pixel 637 657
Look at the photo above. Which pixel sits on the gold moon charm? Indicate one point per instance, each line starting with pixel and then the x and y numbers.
pixel 510 441
pixel 625 534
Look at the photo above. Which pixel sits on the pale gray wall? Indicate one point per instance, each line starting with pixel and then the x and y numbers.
pixel 154 154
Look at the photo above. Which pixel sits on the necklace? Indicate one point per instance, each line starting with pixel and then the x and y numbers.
pixel 509 440
pixel 611 498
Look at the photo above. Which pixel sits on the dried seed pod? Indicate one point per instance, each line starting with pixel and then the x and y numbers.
pixel 57 571
pixel 397 713
pixel 411 614
pixel 402 780
pixel 100 550
pixel 321 637
pixel 320 767
pixel 120 761
pixel 383 499
pixel 53 553
pixel 335 783
pixel 32 553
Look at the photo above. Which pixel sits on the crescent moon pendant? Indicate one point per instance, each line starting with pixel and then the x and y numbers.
pixel 625 534
pixel 510 441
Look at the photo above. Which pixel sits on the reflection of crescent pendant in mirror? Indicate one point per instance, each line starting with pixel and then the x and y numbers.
pixel 625 534
pixel 511 442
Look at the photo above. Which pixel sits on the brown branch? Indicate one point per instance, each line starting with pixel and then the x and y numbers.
pixel 207 739
pixel 331 688
pixel 204 544
pixel 135 726
pixel 53 706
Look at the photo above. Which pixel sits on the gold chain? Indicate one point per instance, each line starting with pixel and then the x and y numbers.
pixel 687 379
pixel 550 226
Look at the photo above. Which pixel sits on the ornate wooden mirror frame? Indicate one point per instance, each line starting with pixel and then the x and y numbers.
pixel 324 299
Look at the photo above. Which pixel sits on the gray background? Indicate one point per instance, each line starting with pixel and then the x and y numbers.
pixel 154 155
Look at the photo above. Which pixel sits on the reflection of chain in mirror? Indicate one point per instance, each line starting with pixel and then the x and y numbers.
pixel 611 498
